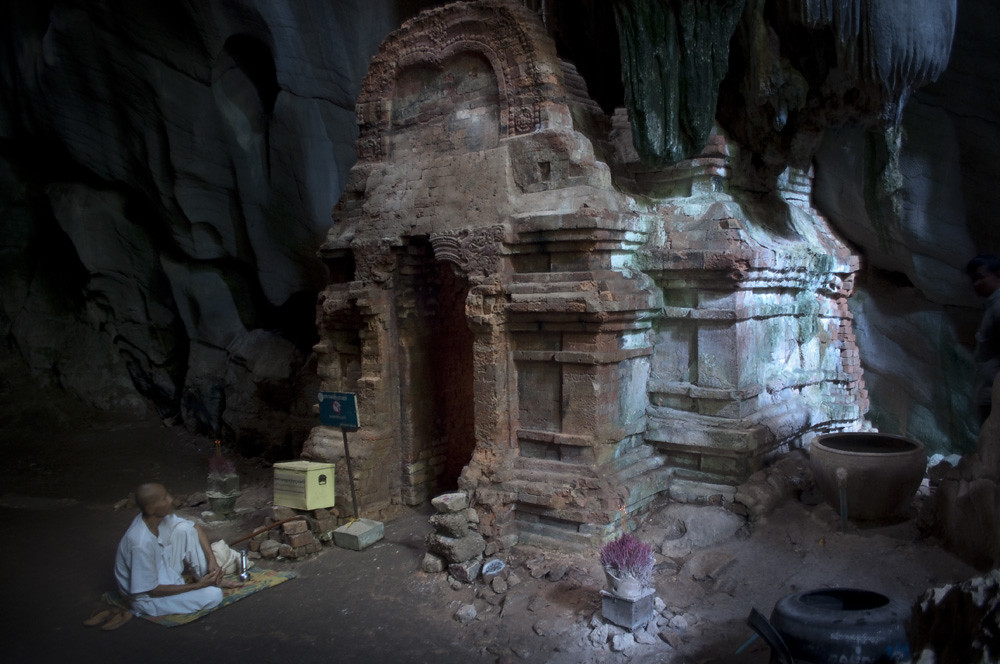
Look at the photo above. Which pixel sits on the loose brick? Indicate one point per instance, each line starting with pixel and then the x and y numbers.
pixel 294 527
pixel 300 539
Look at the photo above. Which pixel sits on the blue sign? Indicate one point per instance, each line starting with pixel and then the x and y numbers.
pixel 338 409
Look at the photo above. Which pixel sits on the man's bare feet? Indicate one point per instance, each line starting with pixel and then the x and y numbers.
pixel 230 583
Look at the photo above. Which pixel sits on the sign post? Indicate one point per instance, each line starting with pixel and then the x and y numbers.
pixel 340 409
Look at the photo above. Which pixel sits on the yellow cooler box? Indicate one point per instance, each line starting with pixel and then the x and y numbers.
pixel 304 485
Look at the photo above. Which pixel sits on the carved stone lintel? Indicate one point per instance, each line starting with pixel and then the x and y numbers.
pixel 476 252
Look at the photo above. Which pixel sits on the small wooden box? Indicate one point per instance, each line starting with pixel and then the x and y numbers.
pixel 303 485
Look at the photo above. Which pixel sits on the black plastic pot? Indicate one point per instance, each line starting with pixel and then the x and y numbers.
pixel 836 626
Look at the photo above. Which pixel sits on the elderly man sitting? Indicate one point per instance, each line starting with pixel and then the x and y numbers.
pixel 156 551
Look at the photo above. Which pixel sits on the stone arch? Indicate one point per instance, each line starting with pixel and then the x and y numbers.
pixel 508 36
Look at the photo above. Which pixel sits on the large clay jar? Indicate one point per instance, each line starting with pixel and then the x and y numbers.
pixel 842 625
pixel 881 472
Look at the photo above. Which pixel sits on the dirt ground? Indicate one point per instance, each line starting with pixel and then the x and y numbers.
pixel 66 469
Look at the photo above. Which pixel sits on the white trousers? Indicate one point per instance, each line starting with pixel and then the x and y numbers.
pixel 182 546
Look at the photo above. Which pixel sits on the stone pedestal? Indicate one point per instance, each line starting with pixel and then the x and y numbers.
pixel 359 535
pixel 627 613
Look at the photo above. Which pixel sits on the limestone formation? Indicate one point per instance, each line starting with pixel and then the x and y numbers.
pixel 966 509
pixel 167 172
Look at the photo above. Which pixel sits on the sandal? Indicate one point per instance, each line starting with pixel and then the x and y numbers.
pixel 98 617
pixel 121 617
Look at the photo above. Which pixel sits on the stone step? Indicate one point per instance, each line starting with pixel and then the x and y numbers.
pixel 545 536
pixel 635 466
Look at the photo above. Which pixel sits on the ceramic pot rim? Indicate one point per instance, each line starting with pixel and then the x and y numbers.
pixel 917 446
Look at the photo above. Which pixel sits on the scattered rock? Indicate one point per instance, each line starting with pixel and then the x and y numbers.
pixel 448 503
pixel 769 487
pixel 269 549
pixel 704 527
pixel 679 623
pixel 672 638
pixel 557 572
pixel 498 585
pixel 493 599
pixel 648 636
pixel 676 529
pixel 599 635
pixel 537 603
pixel 521 651
pixel 622 642
pixel 513 579
pixel 708 565
pixel 466 614
pixel 466 571
pixel 541 628
pixel 492 568
pixel 433 564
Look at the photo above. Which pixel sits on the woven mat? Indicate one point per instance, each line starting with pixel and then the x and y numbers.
pixel 260 579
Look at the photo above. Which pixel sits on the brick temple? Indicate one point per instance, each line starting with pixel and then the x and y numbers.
pixel 529 314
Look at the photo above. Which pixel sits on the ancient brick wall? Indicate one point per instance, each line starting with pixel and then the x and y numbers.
pixel 523 307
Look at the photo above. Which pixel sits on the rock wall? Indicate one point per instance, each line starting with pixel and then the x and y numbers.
pixel 915 311
pixel 167 174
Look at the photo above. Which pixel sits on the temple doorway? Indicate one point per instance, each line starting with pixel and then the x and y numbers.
pixel 435 373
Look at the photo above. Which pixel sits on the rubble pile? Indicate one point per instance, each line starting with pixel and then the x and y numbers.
pixel 293 533
pixel 455 543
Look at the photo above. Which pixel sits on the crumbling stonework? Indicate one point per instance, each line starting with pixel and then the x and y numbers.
pixel 527 312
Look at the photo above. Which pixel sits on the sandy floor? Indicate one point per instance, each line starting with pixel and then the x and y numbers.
pixel 67 469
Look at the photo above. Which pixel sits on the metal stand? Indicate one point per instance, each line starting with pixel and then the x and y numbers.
pixel 350 472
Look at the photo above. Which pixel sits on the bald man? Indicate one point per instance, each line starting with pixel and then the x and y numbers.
pixel 154 553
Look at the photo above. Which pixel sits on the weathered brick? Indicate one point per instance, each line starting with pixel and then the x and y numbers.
pixel 293 527
pixel 300 539
pixel 324 525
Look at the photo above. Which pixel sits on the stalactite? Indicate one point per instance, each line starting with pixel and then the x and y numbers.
pixel 674 55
